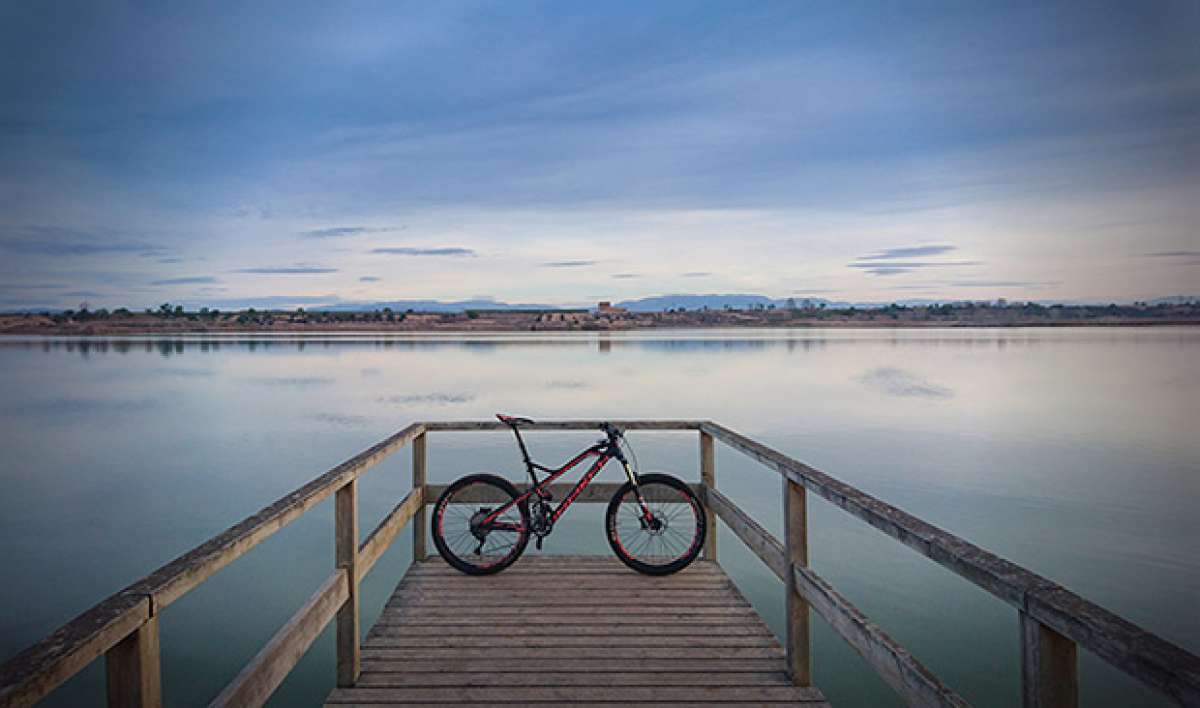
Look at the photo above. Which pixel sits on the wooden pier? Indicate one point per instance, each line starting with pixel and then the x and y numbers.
pixel 428 646
pixel 571 630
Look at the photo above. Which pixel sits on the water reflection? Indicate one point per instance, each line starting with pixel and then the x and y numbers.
pixel 1070 451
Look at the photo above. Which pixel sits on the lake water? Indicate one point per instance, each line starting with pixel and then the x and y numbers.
pixel 1074 452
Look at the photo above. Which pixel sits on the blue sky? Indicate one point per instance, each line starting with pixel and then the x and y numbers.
pixel 570 152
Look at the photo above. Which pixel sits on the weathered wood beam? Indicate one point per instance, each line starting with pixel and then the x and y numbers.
pixel 895 665
pixel 381 538
pixel 1049 667
pixel 419 465
pixel 594 493
pixel 29 676
pixel 708 477
pixel 259 678
pixel 799 641
pixel 480 425
pixel 35 672
pixel 134 676
pixel 1156 662
pixel 189 570
pixel 346 555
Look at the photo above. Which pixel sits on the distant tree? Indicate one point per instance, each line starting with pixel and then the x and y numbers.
pixel 179 310
pixel 165 309
pixel 791 303
pixel 472 314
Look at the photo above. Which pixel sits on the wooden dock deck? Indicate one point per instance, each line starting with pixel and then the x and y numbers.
pixel 571 630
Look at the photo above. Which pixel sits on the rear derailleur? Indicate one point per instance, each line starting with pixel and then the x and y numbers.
pixel 541 520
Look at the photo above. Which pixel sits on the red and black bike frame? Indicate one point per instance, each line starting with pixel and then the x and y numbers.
pixel 603 451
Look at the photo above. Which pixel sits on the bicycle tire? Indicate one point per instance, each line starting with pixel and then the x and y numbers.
pixel 451 550
pixel 685 513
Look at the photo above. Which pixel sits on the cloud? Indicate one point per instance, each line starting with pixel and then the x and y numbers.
pixel 369 279
pixel 344 231
pixel 288 270
pixel 907 252
pixel 170 260
pixel 1178 257
pixel 83 293
pixel 697 274
pixel 292 381
pixel 894 268
pixel 898 382
pixel 58 241
pixel 568 264
pixel 192 280
pixel 456 251
pixel 624 276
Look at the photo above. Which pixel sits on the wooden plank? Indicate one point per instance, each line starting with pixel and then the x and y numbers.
pixel 798 643
pixel 381 538
pixel 476 611
pixel 894 664
pixel 583 679
pixel 594 665
pixel 528 695
pixel 1156 662
pixel 916 684
pixel 401 640
pixel 1049 667
pixel 577 630
pixel 534 566
pixel 484 425
pixel 419 464
pixel 173 580
pixel 259 678
pixel 346 555
pixel 805 703
pixel 540 653
pixel 35 672
pixel 134 677
pixel 756 538
pixel 708 479
pixel 565 620
pixel 594 493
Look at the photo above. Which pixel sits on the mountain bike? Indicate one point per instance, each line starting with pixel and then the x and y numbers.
pixel 482 522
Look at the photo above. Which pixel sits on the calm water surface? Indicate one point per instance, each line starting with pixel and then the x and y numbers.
pixel 1074 452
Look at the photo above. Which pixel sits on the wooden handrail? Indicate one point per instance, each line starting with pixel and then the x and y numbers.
pixel 1052 618
pixel 908 677
pixel 1156 662
pixel 35 672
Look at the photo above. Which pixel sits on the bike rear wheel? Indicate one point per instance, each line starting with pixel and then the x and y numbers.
pixel 670 539
pixel 463 537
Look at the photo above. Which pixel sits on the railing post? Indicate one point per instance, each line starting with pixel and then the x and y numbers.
pixel 346 554
pixel 134 678
pixel 708 476
pixel 418 481
pixel 795 519
pixel 1049 669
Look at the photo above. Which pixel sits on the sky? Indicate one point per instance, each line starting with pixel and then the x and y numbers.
pixel 298 154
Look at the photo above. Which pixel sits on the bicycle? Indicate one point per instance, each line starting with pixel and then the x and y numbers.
pixel 482 523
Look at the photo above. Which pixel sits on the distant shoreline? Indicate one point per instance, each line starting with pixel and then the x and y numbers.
pixel 554 322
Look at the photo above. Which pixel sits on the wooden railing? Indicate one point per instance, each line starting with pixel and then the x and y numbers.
pixel 1052 620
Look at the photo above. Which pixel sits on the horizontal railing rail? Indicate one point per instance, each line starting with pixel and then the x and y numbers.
pixel 1170 669
pixel 1052 620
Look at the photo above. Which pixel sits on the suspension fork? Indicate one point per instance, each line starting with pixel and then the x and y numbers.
pixel 637 490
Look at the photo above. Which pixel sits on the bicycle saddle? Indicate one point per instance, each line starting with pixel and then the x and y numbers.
pixel 513 420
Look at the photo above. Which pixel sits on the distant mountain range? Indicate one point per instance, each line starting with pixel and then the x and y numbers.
pixel 657 303
pixel 661 303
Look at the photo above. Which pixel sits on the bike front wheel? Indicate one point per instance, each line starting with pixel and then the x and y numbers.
pixel 463 533
pixel 667 540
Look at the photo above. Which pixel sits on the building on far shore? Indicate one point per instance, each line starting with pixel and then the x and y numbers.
pixel 606 308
